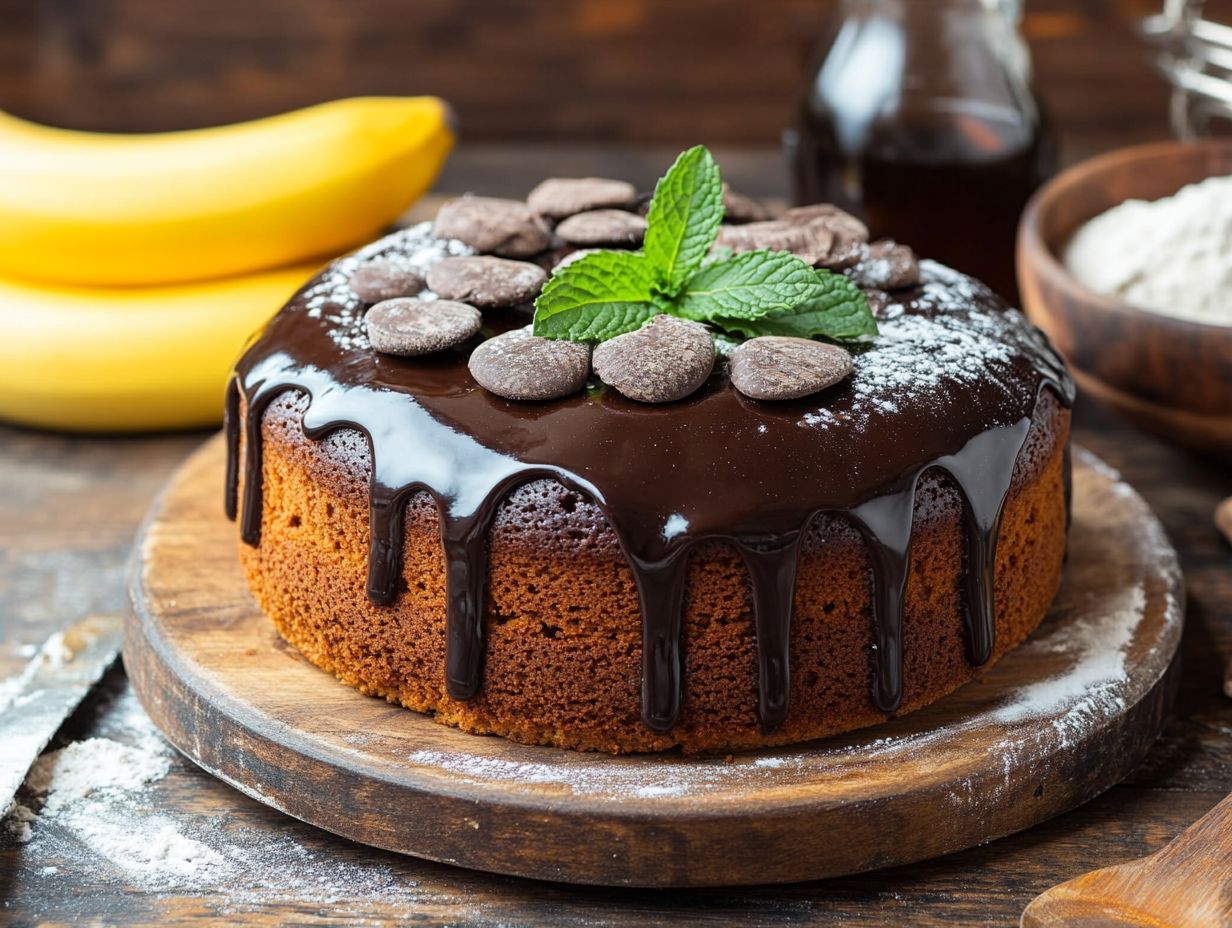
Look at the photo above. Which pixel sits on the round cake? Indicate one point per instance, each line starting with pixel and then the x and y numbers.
pixel 593 571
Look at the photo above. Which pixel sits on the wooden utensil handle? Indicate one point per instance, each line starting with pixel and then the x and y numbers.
pixel 1204 849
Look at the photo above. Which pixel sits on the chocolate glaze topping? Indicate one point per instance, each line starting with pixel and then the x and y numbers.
pixel 951 383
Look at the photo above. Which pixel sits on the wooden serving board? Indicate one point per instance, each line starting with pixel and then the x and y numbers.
pixel 1056 722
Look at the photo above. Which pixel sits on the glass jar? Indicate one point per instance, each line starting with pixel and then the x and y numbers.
pixel 920 118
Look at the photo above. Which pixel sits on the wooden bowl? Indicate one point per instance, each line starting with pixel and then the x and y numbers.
pixel 1170 376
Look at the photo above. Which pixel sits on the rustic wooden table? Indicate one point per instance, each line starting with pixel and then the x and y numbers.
pixel 69 507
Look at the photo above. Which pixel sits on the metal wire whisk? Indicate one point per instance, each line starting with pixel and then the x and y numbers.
pixel 1196 57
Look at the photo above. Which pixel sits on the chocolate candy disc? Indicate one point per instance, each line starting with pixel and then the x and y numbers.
pixel 485 281
pixel 886 266
pixel 775 367
pixel 558 197
pixel 603 227
pixel 663 361
pixel 519 365
pixel 414 327
pixel 385 280
pixel 493 226
pixel 739 208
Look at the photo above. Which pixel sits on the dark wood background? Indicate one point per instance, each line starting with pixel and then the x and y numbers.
pixel 644 71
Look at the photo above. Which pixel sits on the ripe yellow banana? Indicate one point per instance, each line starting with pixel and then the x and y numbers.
pixel 93 209
pixel 129 359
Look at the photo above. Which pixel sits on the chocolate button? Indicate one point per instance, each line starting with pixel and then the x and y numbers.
pixel 558 197
pixel 486 282
pixel 603 227
pixel 775 367
pixel 805 241
pixel 659 363
pixel 846 236
pixel 493 226
pixel 385 280
pixel 414 327
pixel 519 365
pixel 843 253
pixel 886 266
pixel 739 208
pixel 574 256
pixel 838 221
pixel 878 302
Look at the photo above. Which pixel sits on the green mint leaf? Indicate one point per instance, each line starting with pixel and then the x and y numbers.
pixel 596 298
pixel 751 285
pixel 841 313
pixel 683 219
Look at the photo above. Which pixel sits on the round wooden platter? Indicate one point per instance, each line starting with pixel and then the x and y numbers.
pixel 1056 722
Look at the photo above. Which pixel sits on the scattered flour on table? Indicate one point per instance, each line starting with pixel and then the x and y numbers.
pixel 96 766
pixel 54 652
pixel 94 802
pixel 1171 256
pixel 17 822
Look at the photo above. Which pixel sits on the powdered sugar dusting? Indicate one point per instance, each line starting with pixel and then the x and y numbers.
pixel 956 344
pixel 596 776
pixel 1093 687
pixel 329 297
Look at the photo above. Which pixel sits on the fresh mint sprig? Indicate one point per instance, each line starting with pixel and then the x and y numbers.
pixel 608 293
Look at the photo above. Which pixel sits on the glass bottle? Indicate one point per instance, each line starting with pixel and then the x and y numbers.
pixel 920 118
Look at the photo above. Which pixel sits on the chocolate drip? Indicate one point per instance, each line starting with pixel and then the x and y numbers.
pixel 772 575
pixel 715 466
pixel 464 542
pixel 885 523
pixel 984 470
pixel 386 528
pixel 464 539
pixel 231 428
pixel 254 484
pixel 660 591
pixel 466 563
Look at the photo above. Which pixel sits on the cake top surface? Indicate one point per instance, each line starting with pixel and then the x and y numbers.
pixel 951 362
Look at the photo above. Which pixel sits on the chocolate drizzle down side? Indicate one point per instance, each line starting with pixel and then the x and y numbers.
pixel 951 384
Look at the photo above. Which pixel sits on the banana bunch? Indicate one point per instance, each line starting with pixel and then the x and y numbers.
pixel 132 268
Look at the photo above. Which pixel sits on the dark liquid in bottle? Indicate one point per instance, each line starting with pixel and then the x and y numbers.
pixel 953 192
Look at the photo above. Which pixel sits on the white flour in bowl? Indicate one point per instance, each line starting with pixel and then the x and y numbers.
pixel 1171 256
